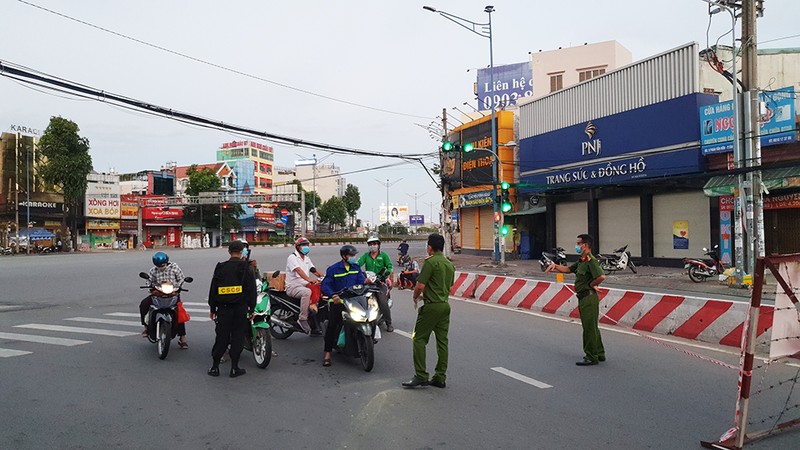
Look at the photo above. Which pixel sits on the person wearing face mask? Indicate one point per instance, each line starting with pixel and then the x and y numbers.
pixel 164 271
pixel 379 262
pixel 300 273
pixel 588 275
pixel 343 274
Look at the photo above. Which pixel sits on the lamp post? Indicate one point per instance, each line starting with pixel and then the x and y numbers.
pixel 388 184
pixel 483 30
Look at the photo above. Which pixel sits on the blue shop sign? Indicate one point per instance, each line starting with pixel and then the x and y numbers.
pixel 473 199
pixel 511 83
pixel 656 165
pixel 777 124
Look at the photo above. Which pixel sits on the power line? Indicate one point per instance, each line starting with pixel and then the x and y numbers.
pixel 219 66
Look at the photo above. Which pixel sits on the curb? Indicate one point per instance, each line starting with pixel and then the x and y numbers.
pixel 697 318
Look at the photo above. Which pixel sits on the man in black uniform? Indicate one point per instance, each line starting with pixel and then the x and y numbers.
pixel 232 297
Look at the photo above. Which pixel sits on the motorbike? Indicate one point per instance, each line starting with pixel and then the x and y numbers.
pixel 40 249
pixel 259 340
pixel 556 256
pixel 374 283
pixel 360 324
pixel 620 260
pixel 6 251
pixel 700 270
pixel 286 313
pixel 163 313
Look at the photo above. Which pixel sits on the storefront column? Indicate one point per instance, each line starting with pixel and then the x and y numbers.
pixel 593 219
pixel 550 223
pixel 646 224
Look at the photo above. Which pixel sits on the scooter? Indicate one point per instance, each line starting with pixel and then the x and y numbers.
pixel 374 283
pixel 360 329
pixel 557 256
pixel 163 313
pixel 700 270
pixel 286 313
pixel 6 251
pixel 259 340
pixel 620 260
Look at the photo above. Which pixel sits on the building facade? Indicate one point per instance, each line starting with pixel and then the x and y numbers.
pixel 554 70
pixel 325 179
pixel 260 157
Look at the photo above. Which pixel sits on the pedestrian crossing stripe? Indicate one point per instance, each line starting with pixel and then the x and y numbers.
pixel 42 339
pixel 194 318
pixel 7 353
pixel 102 332
pixel 105 321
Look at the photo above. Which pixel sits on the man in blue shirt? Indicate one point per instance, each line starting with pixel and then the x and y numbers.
pixel 341 275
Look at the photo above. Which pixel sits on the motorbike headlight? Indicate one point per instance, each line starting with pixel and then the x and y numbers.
pixel 167 288
pixel 356 313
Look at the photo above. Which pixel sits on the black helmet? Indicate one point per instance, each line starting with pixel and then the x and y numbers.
pixel 348 250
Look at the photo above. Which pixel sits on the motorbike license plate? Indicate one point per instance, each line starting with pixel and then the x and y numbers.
pixel 687 266
pixel 377 333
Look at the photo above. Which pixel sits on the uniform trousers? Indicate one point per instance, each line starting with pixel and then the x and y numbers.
pixel 589 310
pixel 231 329
pixel 432 318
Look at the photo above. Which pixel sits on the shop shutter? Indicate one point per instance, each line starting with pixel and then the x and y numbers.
pixel 469 232
pixel 487 228
pixel 620 225
pixel 693 207
pixel 571 220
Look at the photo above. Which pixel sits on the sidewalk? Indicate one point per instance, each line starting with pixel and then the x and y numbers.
pixel 668 280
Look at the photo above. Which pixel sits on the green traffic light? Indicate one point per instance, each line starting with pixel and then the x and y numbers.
pixel 505 185
pixel 504 230
pixel 468 147
pixel 506 207
pixel 447 146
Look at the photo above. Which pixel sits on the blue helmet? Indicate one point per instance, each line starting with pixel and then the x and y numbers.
pixel 160 258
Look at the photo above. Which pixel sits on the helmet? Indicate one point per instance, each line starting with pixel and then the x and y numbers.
pixel 348 250
pixel 301 241
pixel 160 258
pixel 373 239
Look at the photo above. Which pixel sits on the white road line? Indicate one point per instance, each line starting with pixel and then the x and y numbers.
pixel 122 314
pixel 7 353
pixel 195 318
pixel 105 321
pixel 42 339
pixel 197 310
pixel 402 333
pixel 9 306
pixel 45 327
pixel 195 304
pixel 520 377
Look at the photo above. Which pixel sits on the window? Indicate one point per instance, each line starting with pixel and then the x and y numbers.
pixel 253 152
pixel 556 82
pixel 591 73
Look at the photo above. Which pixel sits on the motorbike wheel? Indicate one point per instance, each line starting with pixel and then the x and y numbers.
pixel 366 350
pixel 277 331
pixel 542 266
pixel 632 266
pixel 164 336
pixel 694 275
pixel 262 348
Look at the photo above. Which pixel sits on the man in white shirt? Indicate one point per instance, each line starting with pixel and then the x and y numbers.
pixel 300 272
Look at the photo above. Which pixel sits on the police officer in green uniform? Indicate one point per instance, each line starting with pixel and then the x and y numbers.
pixel 433 286
pixel 588 275
pixel 231 297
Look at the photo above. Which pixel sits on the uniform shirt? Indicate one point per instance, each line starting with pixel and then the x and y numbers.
pixel 169 274
pixel 376 264
pixel 235 273
pixel 340 276
pixel 295 260
pixel 437 275
pixel 585 270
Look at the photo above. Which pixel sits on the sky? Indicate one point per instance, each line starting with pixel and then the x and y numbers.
pixel 391 56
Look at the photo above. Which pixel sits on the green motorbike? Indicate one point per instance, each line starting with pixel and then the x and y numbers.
pixel 259 340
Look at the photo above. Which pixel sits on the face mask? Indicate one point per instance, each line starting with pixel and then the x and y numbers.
pixel 304 250
pixel 578 250
pixel 352 260
pixel 373 248
pixel 245 252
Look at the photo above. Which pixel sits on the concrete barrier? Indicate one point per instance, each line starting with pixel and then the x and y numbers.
pixel 690 317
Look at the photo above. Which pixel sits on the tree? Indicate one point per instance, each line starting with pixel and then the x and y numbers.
pixel 66 165
pixel 333 212
pixel 205 180
pixel 352 201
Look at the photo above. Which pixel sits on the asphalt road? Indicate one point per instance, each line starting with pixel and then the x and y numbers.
pixel 512 381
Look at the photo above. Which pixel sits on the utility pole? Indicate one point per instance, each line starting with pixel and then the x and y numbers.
pixel 754 212
pixel 415 196
pixel 388 184
pixel 16 190
pixel 446 215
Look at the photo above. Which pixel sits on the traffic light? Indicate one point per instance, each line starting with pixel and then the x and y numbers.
pixel 224 206
pixel 448 146
pixel 468 147
pixel 504 230
pixel 505 201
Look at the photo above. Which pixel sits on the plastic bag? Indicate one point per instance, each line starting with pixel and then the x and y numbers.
pixel 183 316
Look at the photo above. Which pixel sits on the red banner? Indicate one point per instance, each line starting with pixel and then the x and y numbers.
pixel 170 214
pixel 787 201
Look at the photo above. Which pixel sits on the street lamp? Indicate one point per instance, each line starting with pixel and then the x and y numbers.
pixel 483 30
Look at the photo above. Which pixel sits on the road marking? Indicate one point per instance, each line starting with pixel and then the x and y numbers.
pixel 402 333
pixel 204 318
pixel 520 377
pixel 42 339
pixel 195 304
pixel 45 327
pixel 105 321
pixel 122 314
pixel 8 306
pixel 196 310
pixel 7 353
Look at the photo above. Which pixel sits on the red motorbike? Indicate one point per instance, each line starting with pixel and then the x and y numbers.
pixel 700 270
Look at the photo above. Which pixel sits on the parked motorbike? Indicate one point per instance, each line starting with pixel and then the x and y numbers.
pixel 374 283
pixel 259 340
pixel 556 256
pixel 40 249
pixel 163 313
pixel 620 260
pixel 360 324
pixel 6 251
pixel 700 270
pixel 286 313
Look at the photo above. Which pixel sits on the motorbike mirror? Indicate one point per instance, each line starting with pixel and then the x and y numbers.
pixel 188 279
pixel 705 249
pixel 144 275
pixel 716 246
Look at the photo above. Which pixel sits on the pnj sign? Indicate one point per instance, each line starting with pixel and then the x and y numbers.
pixel 592 146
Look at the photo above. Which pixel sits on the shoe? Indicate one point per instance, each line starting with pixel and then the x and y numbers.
pixel 586 362
pixel 389 328
pixel 214 371
pixel 304 326
pixel 601 358
pixel 316 333
pixel 144 333
pixel 183 345
pixel 438 383
pixel 237 372
pixel 414 382
pixel 326 362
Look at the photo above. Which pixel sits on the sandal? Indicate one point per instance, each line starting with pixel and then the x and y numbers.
pixel 326 362
pixel 183 345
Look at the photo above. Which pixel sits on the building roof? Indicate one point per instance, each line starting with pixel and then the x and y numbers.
pixel 221 169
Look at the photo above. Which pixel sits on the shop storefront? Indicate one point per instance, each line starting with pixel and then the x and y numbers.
pixel 129 223
pixel 162 226
pixel 102 233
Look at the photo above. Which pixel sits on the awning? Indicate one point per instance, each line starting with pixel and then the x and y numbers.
pixel 529 211
pixel 787 177
pixel 37 234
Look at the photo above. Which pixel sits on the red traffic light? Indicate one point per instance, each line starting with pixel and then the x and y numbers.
pixel 497 217
pixel 224 206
